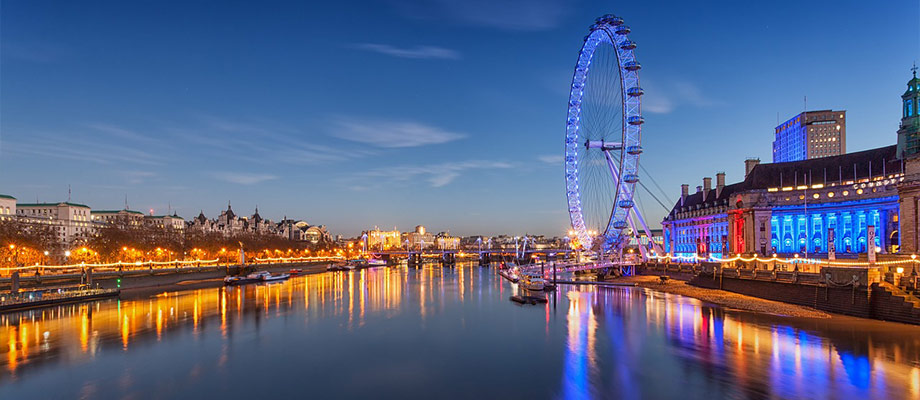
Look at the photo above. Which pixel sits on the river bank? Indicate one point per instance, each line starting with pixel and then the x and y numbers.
pixel 203 283
pixel 722 298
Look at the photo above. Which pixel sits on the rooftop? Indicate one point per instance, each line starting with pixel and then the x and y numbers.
pixel 63 203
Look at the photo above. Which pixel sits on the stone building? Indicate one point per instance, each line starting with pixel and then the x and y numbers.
pixel 850 203
pixel 7 207
pixel 173 222
pixel 70 221
pixel 122 218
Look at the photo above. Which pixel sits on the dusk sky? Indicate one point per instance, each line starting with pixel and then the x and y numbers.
pixel 397 113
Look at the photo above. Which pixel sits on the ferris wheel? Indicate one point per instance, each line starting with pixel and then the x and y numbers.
pixel 603 138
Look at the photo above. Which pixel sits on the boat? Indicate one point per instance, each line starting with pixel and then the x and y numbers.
pixel 509 275
pixel 376 262
pixel 532 281
pixel 267 277
pixel 295 272
pixel 239 280
pixel 340 267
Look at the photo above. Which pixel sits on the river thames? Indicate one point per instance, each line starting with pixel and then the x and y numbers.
pixel 398 332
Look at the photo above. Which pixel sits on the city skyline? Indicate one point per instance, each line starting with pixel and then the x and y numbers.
pixel 444 115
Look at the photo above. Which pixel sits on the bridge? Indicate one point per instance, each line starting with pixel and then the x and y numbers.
pixel 485 256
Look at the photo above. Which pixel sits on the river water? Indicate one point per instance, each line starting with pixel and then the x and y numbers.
pixel 433 332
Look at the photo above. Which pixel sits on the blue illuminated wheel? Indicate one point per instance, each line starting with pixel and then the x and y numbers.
pixel 602 135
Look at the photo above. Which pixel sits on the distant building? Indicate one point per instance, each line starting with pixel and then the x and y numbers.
pixel 173 222
pixel 70 221
pixel 811 134
pixel 7 207
pixel 123 218
pixel 420 238
pixel 382 240
pixel 445 241
pixel 301 231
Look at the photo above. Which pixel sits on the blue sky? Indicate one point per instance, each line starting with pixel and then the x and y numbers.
pixel 404 112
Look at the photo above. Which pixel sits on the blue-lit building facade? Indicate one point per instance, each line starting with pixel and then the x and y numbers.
pixel 791 208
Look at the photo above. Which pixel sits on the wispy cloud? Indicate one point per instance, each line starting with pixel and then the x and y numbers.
pixel 138 177
pixel 390 134
pixel 417 52
pixel 519 15
pixel 243 178
pixel 435 175
pixel 553 159
pixel 663 99
pixel 261 142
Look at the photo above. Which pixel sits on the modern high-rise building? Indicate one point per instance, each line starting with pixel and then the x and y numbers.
pixel 811 134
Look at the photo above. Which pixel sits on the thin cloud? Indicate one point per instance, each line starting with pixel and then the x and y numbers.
pixel 243 178
pixel 418 52
pixel 554 159
pixel 435 175
pixel 138 177
pixel 390 134
pixel 659 100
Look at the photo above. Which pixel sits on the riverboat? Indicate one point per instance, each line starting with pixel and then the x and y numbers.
pixel 376 262
pixel 239 280
pixel 532 281
pixel 267 277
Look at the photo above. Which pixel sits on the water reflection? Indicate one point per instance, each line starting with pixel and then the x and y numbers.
pixel 424 326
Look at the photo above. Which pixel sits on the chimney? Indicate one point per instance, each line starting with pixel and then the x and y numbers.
pixel 749 165
pixel 699 189
pixel 707 186
pixel 684 192
pixel 720 183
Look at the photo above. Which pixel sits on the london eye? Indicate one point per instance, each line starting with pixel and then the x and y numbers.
pixel 603 138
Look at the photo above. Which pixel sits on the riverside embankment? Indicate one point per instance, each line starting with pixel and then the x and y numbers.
pixel 152 278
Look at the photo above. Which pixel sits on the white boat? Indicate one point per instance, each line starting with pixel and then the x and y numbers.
pixel 376 262
pixel 531 281
pixel 346 267
pixel 267 277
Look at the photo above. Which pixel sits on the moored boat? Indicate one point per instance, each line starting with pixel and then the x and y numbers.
pixel 340 267
pixel 267 277
pixel 239 280
pixel 376 262
pixel 532 281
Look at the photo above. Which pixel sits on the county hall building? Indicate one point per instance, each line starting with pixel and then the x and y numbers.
pixel 795 207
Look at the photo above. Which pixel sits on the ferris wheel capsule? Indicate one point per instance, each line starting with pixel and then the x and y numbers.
pixel 622 30
pixel 619 224
pixel 631 178
pixel 625 203
pixel 628 45
pixel 634 150
pixel 635 91
pixel 635 120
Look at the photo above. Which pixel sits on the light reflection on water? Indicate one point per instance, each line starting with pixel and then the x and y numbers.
pixel 450 332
